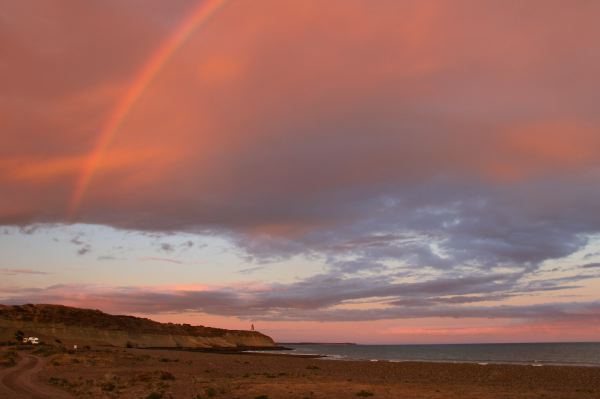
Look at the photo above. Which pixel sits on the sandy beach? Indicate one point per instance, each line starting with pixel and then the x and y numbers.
pixel 154 374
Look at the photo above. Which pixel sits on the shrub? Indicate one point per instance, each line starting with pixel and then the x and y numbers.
pixel 155 395
pixel 165 375
pixel 262 397
pixel 108 386
pixel 61 382
pixel 8 359
pixel 210 392
pixel 48 350
pixel 364 393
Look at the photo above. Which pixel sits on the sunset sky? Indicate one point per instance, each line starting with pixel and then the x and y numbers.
pixel 389 171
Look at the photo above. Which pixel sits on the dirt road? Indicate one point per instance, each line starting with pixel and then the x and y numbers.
pixel 20 382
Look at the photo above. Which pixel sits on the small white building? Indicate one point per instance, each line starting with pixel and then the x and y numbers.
pixel 31 340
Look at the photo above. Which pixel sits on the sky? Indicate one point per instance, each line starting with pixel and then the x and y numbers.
pixel 339 171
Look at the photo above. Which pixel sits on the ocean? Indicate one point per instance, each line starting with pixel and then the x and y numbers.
pixel 573 354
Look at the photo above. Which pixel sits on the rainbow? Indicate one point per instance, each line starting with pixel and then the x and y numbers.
pixel 200 15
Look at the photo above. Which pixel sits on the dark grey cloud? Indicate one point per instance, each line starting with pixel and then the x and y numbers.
pixel 455 299
pixel 327 290
pixel 166 247
pixel 108 257
pixel 591 265
pixel 84 250
pixel 30 229
pixel 77 240
pixel 83 246
pixel 433 232
pixel 14 272
pixel 251 270
pixel 319 297
pixel 575 311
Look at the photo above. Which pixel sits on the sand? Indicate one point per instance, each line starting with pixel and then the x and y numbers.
pixel 137 373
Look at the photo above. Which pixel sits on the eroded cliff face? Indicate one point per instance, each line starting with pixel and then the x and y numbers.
pixel 92 327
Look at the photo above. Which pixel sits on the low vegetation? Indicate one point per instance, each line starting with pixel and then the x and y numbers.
pixel 60 382
pixel 364 393
pixel 8 358
pixel 108 386
pixel 49 350
pixel 166 376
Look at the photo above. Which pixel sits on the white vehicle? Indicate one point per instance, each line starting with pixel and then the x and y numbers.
pixel 31 340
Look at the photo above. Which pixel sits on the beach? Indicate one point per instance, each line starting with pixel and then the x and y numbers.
pixel 153 374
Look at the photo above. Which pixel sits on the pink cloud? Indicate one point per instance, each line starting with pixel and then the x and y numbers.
pixel 393 93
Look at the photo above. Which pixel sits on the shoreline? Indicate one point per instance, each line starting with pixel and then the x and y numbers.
pixel 131 372
pixel 478 362
pixel 541 354
pixel 288 352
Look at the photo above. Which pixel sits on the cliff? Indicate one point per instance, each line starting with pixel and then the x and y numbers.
pixel 93 327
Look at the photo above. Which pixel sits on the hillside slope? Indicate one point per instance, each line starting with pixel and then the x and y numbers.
pixel 93 327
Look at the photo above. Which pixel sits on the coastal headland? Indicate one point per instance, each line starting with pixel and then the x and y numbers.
pixel 68 326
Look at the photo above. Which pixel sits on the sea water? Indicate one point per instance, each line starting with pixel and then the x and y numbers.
pixel 575 354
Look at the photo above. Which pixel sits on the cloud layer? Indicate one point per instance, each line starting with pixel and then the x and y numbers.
pixel 278 122
pixel 435 144
pixel 328 297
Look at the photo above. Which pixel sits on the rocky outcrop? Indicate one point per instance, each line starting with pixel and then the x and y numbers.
pixel 93 327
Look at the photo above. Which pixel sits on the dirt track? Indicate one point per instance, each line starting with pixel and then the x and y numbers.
pixel 19 382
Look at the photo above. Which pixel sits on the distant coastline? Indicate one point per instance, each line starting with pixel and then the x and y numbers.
pixel 317 343
pixel 537 354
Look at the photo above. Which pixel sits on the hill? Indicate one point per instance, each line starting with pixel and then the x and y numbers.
pixel 92 327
